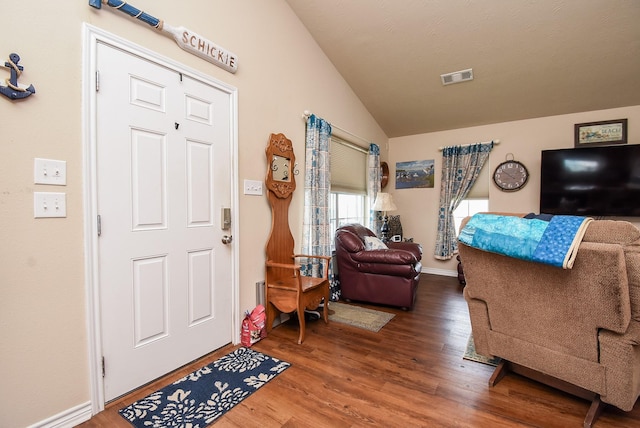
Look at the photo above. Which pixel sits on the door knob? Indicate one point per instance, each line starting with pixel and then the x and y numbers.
pixel 226 239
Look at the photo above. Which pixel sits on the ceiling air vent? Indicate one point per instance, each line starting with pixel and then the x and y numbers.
pixel 457 77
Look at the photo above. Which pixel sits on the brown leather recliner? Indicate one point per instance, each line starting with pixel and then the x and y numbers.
pixel 383 276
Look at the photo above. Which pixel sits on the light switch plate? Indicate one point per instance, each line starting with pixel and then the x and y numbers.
pixel 49 204
pixel 252 187
pixel 50 171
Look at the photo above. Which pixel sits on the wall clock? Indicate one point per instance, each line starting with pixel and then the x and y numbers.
pixel 511 175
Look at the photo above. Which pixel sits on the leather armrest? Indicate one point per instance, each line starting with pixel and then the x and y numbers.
pixel 407 270
pixel 412 247
pixel 389 256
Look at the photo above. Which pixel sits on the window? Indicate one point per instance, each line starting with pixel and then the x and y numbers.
pixel 348 199
pixel 346 208
pixel 477 200
pixel 469 207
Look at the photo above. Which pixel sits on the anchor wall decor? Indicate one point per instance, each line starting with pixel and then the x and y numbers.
pixel 15 90
pixel 186 39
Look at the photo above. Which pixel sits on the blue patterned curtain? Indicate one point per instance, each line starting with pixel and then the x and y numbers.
pixel 373 187
pixel 316 236
pixel 461 166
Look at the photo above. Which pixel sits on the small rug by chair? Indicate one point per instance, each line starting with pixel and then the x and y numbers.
pixel 471 354
pixel 201 397
pixel 357 316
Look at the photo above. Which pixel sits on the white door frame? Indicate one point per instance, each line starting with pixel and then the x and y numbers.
pixel 91 37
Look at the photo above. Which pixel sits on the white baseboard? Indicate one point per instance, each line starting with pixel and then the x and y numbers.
pixel 442 272
pixel 67 419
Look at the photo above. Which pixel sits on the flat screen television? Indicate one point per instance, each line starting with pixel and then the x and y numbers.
pixel 591 181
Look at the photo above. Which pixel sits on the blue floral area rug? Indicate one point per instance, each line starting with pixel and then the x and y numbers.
pixel 201 397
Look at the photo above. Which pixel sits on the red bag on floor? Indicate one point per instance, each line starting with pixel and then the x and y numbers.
pixel 253 326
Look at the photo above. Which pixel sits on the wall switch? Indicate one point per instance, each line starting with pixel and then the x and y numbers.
pixel 49 204
pixel 49 171
pixel 252 187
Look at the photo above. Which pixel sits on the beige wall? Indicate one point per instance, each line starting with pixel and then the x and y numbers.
pixel 525 139
pixel 43 331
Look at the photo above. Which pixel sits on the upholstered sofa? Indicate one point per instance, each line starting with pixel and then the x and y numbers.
pixel 576 329
pixel 387 275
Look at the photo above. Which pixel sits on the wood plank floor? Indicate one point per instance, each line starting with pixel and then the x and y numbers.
pixel 409 374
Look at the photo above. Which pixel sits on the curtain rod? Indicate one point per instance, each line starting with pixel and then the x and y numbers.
pixel 307 113
pixel 495 143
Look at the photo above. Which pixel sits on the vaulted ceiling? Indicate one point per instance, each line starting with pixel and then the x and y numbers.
pixel 530 58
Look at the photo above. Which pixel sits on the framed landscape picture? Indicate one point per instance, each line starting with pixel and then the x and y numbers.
pixel 414 174
pixel 601 133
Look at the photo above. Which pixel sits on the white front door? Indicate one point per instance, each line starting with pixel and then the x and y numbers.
pixel 163 160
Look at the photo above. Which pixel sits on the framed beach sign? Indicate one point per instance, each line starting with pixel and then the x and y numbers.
pixel 601 133
pixel 414 174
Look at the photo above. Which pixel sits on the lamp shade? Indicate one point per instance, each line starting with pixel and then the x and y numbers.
pixel 384 202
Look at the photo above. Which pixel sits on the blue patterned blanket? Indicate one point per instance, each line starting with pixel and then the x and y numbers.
pixel 554 242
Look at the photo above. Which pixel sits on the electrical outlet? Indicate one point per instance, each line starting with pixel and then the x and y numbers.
pixel 49 204
pixel 252 187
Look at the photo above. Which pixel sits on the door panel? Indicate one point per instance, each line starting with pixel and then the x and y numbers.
pixel 148 175
pixel 199 182
pixel 163 174
pixel 150 299
pixel 200 293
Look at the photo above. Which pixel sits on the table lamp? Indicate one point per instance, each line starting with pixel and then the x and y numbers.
pixel 384 203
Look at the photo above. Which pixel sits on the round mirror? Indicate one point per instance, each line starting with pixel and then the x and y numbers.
pixel 384 175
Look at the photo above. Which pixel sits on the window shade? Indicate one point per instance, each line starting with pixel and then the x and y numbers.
pixel 480 189
pixel 348 167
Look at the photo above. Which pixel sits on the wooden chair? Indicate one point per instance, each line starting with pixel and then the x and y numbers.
pixel 286 289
